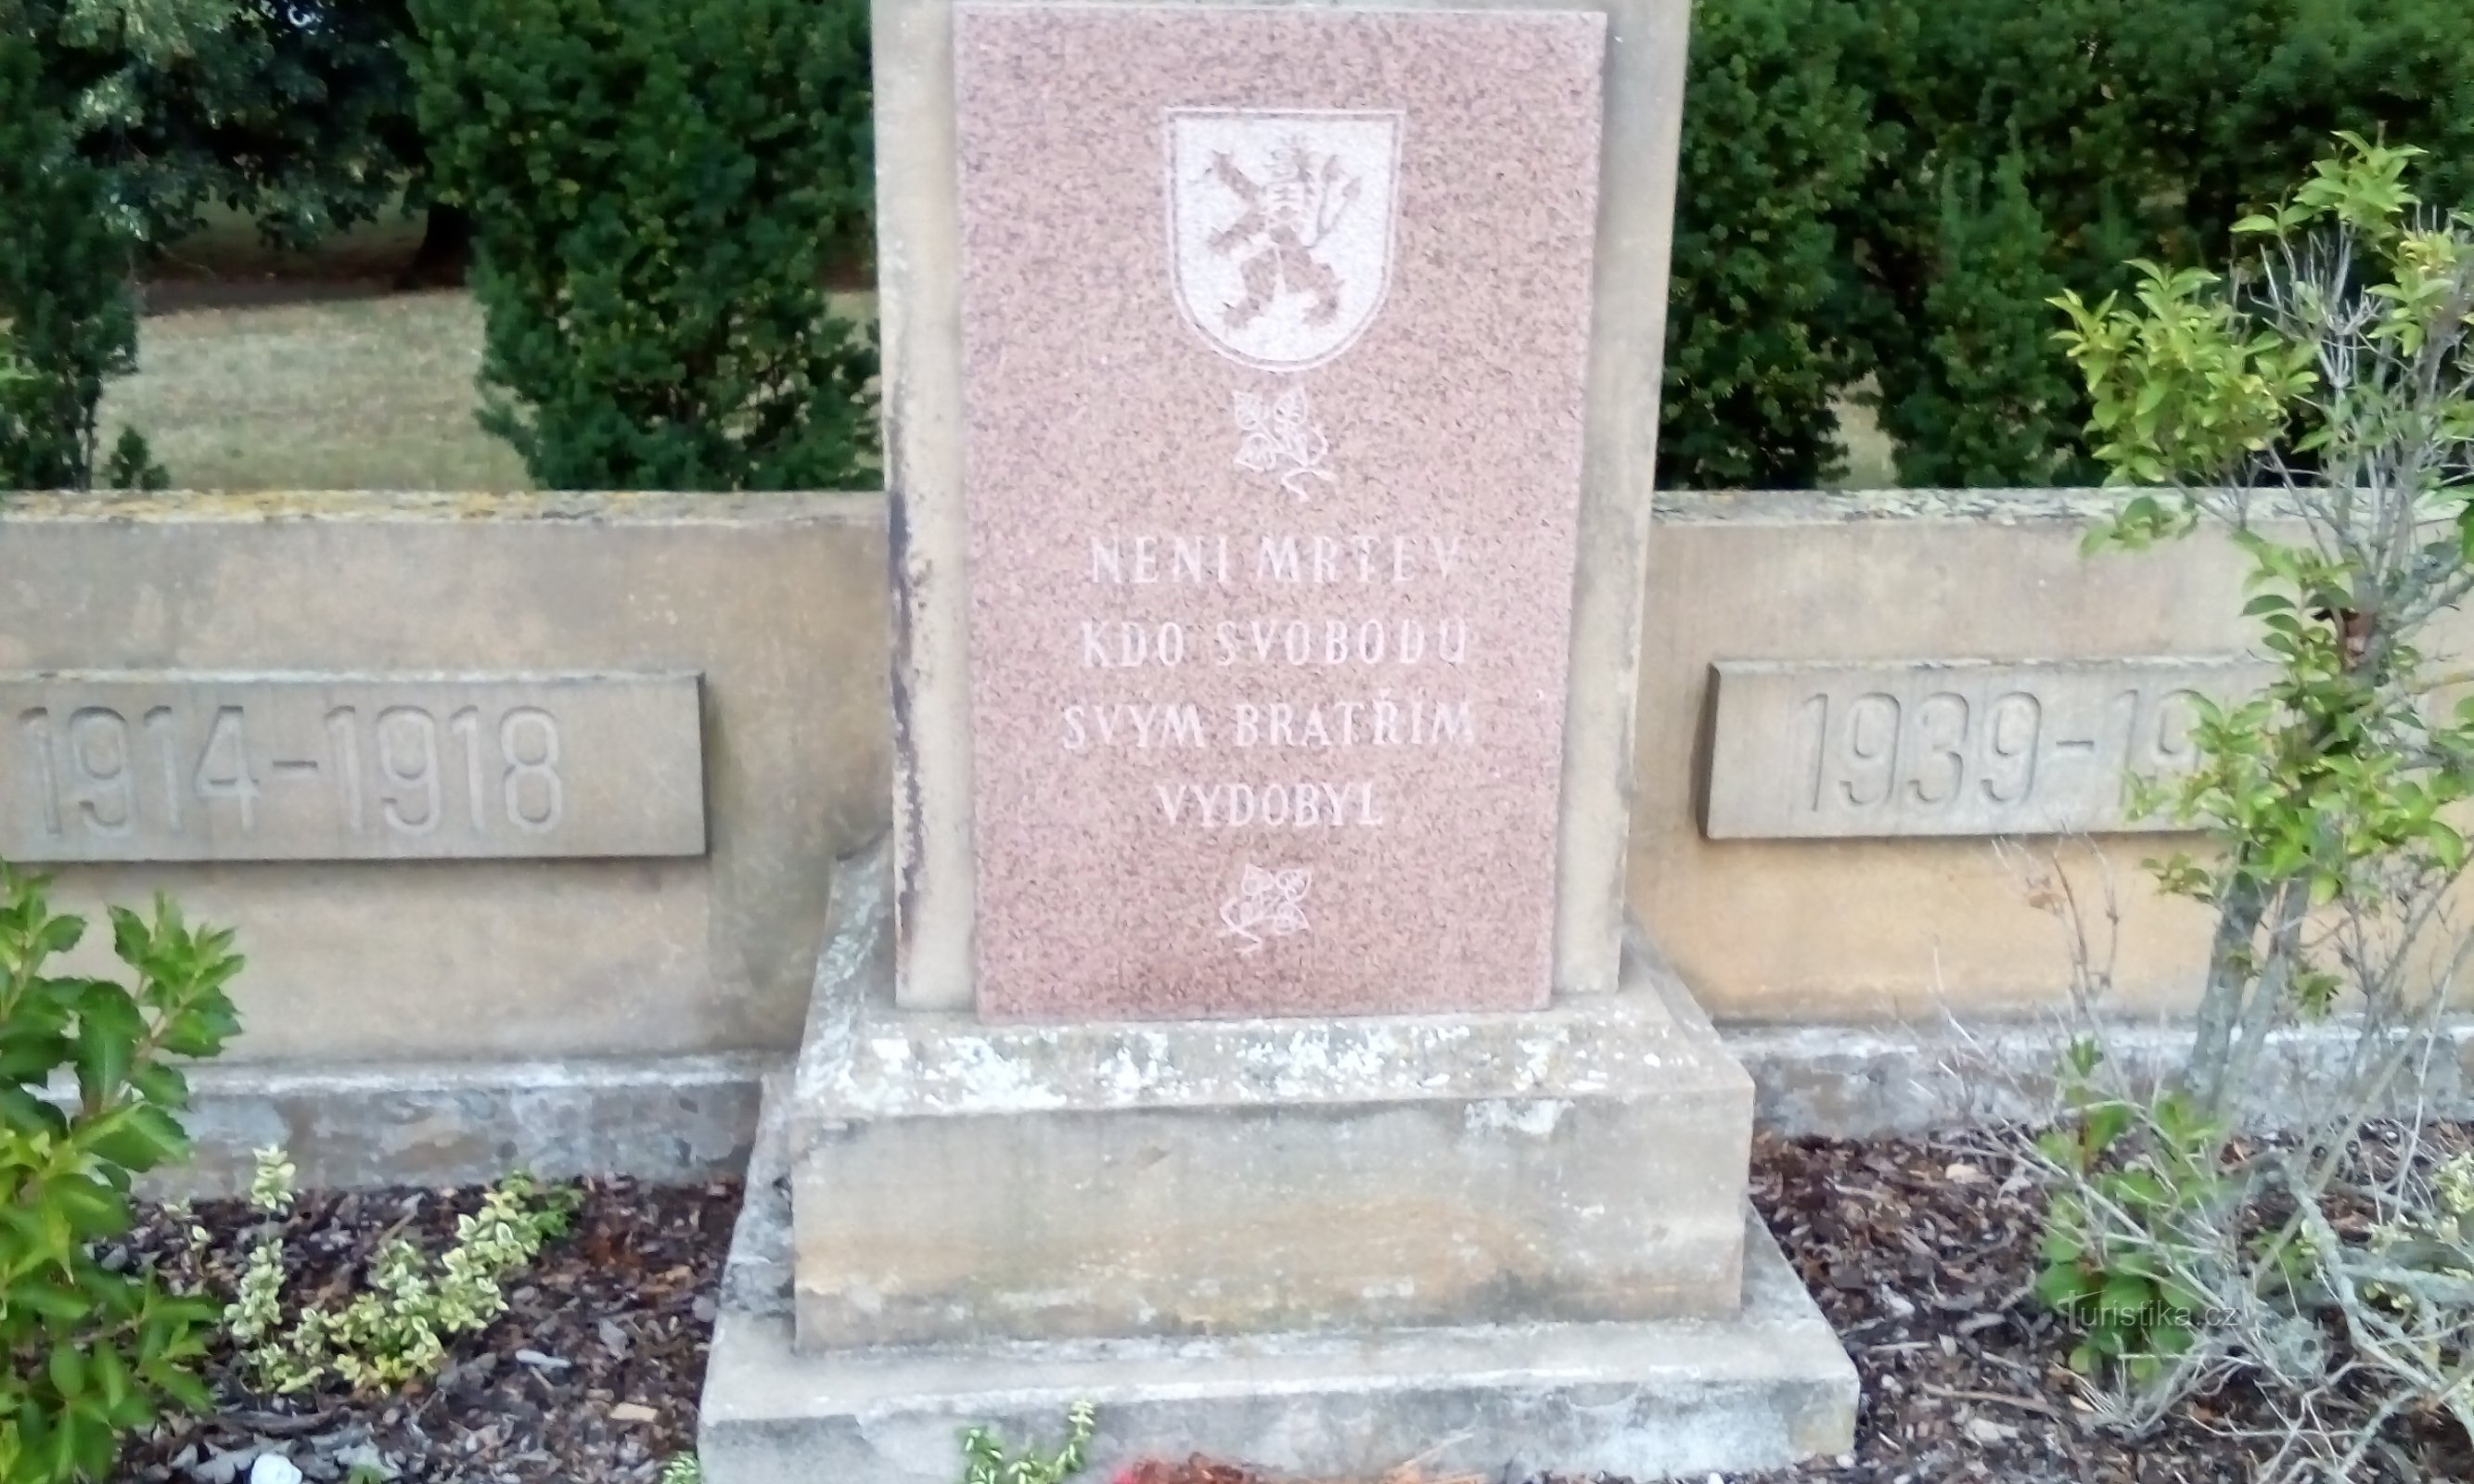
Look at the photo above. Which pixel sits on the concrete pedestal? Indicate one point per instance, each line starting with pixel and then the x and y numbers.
pixel 1322 1246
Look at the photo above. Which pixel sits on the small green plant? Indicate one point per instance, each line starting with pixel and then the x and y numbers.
pixel 2130 1308
pixel 685 1468
pixel 93 1354
pixel 985 1460
pixel 398 1328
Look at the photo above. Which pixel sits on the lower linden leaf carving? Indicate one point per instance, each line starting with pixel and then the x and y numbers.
pixel 1267 903
pixel 1280 437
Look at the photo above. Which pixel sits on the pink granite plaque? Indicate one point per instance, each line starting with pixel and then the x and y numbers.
pixel 1273 331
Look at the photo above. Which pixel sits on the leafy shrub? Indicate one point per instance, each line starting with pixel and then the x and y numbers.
pixel 657 187
pixel 68 319
pixel 396 1331
pixel 2155 1164
pixel 2329 383
pixel 93 1354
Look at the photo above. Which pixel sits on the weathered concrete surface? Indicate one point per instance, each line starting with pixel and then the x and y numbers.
pixel 1762 1388
pixel 920 279
pixel 1952 746
pixel 1867 1082
pixel 691 1118
pixel 658 1118
pixel 960 1181
pixel 1883 929
pixel 777 601
pixel 197 765
pixel 780 602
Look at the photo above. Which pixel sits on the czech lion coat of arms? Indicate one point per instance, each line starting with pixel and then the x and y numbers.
pixel 1281 228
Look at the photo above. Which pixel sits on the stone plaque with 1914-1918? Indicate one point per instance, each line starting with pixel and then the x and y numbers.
pixel 184 765
pixel 1954 747
pixel 1274 328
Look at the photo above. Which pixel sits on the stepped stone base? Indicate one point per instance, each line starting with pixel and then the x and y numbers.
pixel 1762 1388
pixel 1494 1242
pixel 953 1182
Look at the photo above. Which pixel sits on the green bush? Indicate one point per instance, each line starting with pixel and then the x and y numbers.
pixel 1984 400
pixel 68 317
pixel 1889 187
pixel 657 187
pixel 1758 340
pixel 93 1352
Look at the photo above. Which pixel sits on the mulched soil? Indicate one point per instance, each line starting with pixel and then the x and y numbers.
pixel 591 1375
pixel 1921 1257
pixel 1920 1254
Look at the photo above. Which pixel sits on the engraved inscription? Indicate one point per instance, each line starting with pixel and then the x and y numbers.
pixel 1265 599
pixel 1951 749
pixel 203 768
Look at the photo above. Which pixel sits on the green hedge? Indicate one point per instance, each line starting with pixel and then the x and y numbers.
pixel 68 319
pixel 1891 187
pixel 657 188
pixel 1876 198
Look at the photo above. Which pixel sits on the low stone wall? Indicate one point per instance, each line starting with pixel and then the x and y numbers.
pixel 776 602
pixel 1853 930
pixel 779 605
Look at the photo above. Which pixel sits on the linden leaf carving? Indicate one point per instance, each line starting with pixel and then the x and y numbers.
pixel 1281 438
pixel 1267 902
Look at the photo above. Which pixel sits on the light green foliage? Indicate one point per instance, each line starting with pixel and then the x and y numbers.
pixel 2315 404
pixel 685 1468
pixel 2439 1237
pixel 396 1329
pixel 657 188
pixel 271 1184
pixel 985 1461
pixel 2338 378
pixel 93 1354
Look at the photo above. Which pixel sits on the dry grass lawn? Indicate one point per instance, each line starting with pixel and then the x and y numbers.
pixel 377 393
pixel 336 394
pixel 1869 465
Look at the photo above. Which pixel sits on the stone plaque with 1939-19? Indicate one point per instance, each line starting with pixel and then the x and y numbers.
pixel 185 766
pixel 1953 748
pixel 1274 328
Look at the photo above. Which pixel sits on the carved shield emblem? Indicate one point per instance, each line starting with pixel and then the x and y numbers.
pixel 1281 228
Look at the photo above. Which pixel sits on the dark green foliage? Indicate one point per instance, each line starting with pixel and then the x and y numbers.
pixel 657 187
pixel 2006 149
pixel 67 315
pixel 1756 340
pixel 94 1351
pixel 312 128
pixel 298 112
pixel 1986 401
